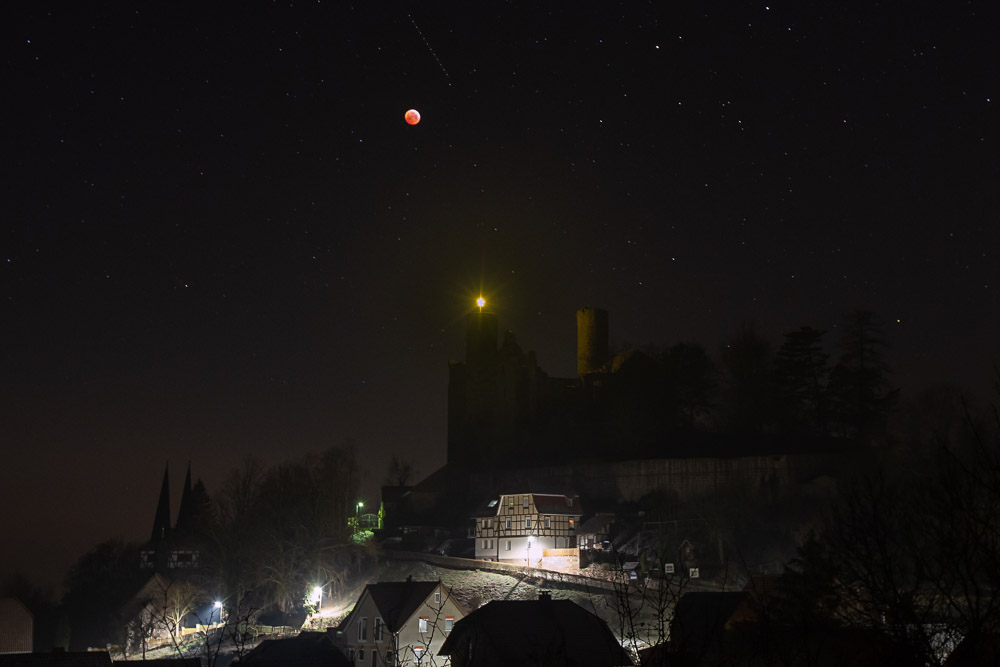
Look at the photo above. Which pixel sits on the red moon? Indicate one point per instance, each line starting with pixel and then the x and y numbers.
pixel 412 117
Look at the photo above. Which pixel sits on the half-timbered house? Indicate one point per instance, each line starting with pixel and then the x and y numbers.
pixel 520 527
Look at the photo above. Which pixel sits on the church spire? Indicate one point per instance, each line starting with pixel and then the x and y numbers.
pixel 185 515
pixel 161 524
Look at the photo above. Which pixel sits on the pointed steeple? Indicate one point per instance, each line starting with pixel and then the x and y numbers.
pixel 161 524
pixel 185 515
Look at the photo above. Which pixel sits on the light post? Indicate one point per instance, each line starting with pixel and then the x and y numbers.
pixel 357 516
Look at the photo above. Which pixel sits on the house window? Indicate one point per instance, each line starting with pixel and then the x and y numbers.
pixel 418 653
pixel 548 522
pixel 508 545
pixel 527 522
pixel 449 623
pixel 507 525
pixel 569 502
pixel 422 624
pixel 526 500
pixel 361 655
pixel 378 629
pixel 484 544
pixel 437 597
pixel 390 658
pixel 363 628
pixel 570 525
pixel 491 544
pixel 510 501
pixel 350 653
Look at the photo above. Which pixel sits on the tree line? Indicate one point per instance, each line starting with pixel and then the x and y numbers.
pixel 268 537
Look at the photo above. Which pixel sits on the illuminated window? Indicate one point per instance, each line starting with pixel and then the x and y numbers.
pixel 422 624
pixel 570 525
pixel 449 623
pixel 510 501
pixel 418 652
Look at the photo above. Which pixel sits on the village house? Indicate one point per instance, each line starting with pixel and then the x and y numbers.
pixel 399 623
pixel 521 527
pixel 533 633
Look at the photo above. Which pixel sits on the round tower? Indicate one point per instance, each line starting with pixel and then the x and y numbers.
pixel 591 340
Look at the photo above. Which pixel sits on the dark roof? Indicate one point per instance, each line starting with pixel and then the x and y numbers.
pixel 398 600
pixel 307 649
pixel 163 662
pixel 550 503
pixel 57 659
pixel 596 525
pixel 700 619
pixel 533 632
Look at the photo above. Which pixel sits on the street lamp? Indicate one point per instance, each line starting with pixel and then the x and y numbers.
pixel 357 516
pixel 317 597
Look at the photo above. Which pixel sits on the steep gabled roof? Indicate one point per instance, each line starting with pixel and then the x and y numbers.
pixel 398 601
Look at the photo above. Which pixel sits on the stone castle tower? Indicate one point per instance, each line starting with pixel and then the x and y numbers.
pixel 503 409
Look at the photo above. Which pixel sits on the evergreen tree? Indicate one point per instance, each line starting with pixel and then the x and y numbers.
pixel 860 395
pixel 691 381
pixel 801 369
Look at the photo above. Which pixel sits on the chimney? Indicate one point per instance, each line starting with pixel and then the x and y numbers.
pixel 409 578
pixel 545 596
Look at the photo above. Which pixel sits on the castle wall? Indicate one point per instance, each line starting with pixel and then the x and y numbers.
pixel 624 481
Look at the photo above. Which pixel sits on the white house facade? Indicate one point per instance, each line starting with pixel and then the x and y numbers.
pixel 400 623
pixel 521 527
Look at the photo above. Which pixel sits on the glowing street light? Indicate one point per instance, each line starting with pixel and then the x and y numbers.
pixel 357 515
pixel 480 302
pixel 218 604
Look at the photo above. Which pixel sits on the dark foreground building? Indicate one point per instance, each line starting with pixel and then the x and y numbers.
pixel 533 633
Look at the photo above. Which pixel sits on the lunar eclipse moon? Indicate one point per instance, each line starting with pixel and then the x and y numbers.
pixel 412 117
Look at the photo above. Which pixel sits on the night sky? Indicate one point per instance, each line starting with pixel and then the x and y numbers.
pixel 219 238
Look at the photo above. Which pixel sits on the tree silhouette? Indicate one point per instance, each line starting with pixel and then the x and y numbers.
pixel 800 373
pixel 860 395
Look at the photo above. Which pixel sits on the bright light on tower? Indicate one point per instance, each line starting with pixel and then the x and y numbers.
pixel 480 302
pixel 218 604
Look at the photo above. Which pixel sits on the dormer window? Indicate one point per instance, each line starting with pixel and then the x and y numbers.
pixel 527 500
